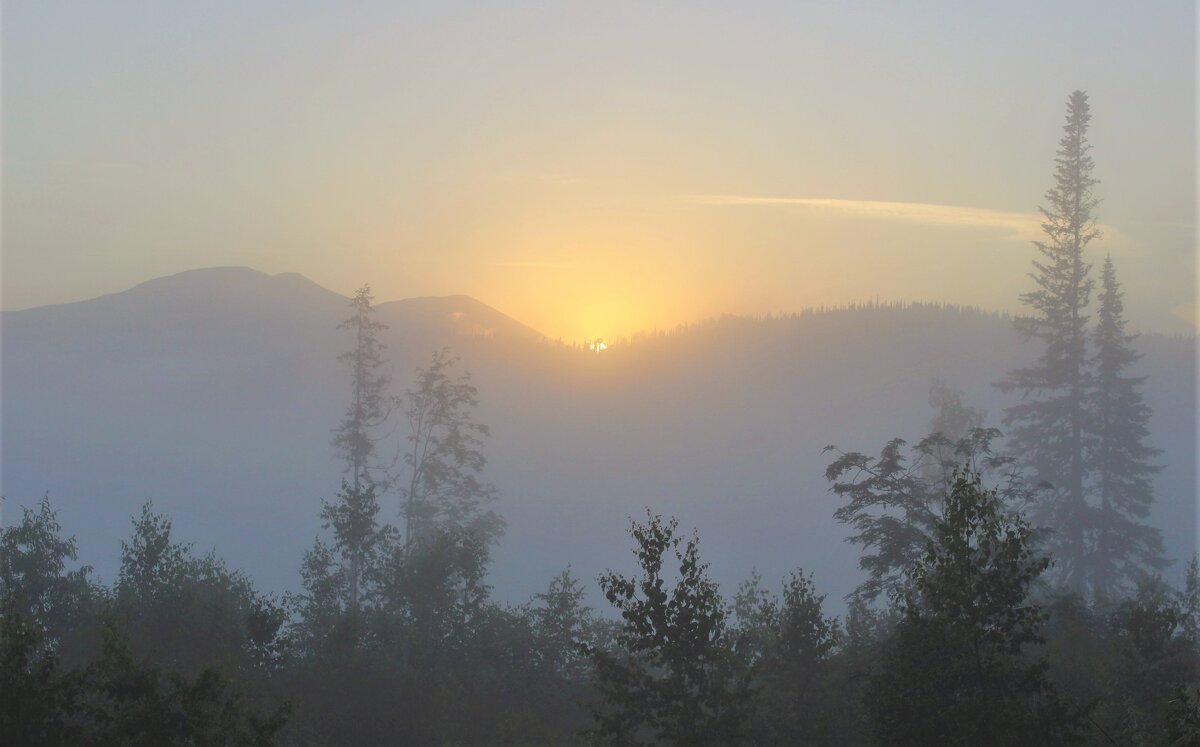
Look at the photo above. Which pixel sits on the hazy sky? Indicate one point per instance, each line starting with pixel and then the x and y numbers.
pixel 592 168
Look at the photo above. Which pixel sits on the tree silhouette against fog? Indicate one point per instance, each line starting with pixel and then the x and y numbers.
pixel 1079 424
pixel 1048 427
pixel 958 670
pixel 370 406
pixel 672 677
pixel 445 489
pixel 1120 459
pixel 333 576
pixel 894 501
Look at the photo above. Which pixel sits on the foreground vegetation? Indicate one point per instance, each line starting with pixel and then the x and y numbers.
pixel 974 649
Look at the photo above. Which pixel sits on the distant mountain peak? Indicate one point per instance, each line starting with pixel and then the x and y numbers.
pixel 230 284
pixel 221 272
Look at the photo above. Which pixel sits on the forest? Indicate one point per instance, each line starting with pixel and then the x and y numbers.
pixel 1011 591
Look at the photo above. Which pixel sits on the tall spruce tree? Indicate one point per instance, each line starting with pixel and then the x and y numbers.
pixel 330 608
pixel 1049 426
pixel 1120 460
pixel 369 406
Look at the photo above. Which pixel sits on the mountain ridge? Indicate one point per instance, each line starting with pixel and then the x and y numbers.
pixel 202 278
pixel 223 415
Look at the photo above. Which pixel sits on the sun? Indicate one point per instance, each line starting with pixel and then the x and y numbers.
pixel 598 346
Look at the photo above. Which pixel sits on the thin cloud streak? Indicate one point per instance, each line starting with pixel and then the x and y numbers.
pixel 534 265
pixel 1018 226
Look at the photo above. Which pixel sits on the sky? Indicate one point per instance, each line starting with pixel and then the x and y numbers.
pixel 593 169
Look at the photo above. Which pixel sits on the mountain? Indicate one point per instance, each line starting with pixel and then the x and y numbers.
pixel 214 394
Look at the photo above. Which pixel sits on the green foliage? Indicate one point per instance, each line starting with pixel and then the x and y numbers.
pixel 1183 717
pixel 180 640
pixel 893 502
pixel 438 662
pixel 788 645
pixel 131 704
pixel 673 677
pixel 190 653
pixel 1189 602
pixel 1131 660
pixel 564 627
pixel 1149 658
pixel 431 595
pixel 397 639
pixel 341 581
pixel 35 581
pixel 37 702
pixel 191 613
pixel 957 670
pixel 320 624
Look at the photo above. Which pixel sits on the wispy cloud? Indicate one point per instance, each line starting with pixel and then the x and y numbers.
pixel 535 265
pixel 1022 226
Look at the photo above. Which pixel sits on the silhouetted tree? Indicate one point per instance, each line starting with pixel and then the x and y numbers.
pixel 38 703
pixel 444 457
pixel 563 624
pixel 127 703
pixel 789 644
pixel 672 678
pixel 1124 549
pixel 35 581
pixel 1049 426
pixel 1149 657
pixel 369 404
pixel 184 647
pixel 894 503
pixel 435 592
pixel 187 613
pixel 1189 601
pixel 1183 717
pixel 334 575
pixel 958 670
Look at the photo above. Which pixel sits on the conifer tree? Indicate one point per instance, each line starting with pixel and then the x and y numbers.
pixel 1120 460
pixel 1048 427
pixel 335 586
pixel 369 404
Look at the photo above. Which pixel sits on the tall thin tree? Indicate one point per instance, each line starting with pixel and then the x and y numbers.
pixel 352 515
pixel 1048 427
pixel 1121 461
pixel 370 406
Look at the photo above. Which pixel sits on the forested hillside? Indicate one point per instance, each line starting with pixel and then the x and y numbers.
pixel 215 393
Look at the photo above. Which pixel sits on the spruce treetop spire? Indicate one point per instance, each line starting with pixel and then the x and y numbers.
pixel 1080 424
pixel 1049 425
pixel 370 406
